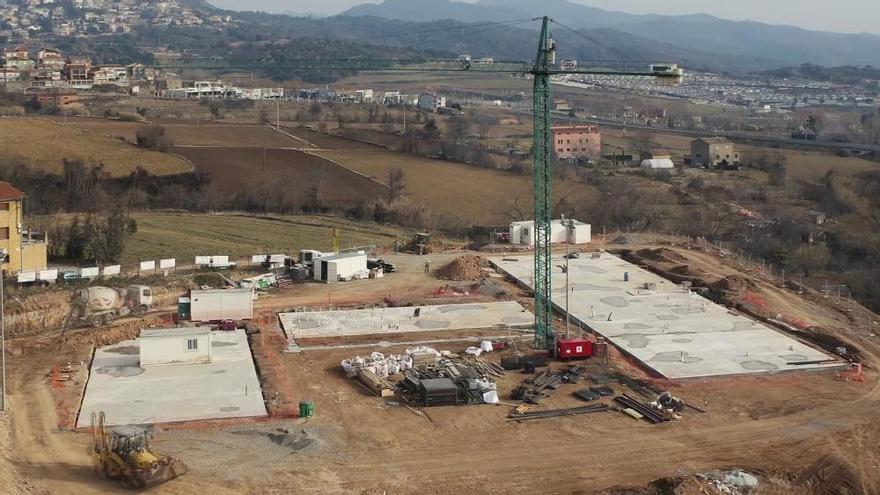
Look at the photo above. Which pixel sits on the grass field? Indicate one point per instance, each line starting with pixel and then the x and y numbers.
pixel 280 172
pixel 43 145
pixel 184 235
pixel 480 196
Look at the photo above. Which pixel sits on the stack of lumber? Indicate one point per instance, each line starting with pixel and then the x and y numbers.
pixel 376 384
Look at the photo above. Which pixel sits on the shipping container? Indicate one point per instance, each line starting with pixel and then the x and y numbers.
pixel 221 304
pixel 342 267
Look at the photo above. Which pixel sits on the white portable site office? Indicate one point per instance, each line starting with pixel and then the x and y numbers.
pixel 183 345
pixel 524 232
pixel 345 266
pixel 221 304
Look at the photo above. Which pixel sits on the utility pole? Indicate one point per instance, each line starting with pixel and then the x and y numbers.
pixel 567 291
pixel 2 341
pixel 277 114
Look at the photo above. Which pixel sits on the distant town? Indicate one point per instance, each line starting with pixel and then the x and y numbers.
pixel 23 19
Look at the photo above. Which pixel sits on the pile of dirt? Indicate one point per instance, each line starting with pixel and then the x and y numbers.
pixel 832 475
pixel 112 335
pixel 734 283
pixel 661 255
pixel 464 269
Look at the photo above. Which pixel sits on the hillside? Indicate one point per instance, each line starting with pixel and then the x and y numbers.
pixel 58 142
pixel 756 43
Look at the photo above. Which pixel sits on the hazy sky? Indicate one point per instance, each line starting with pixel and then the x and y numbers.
pixel 849 16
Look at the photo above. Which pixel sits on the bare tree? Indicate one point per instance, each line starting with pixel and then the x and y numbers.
pixel 643 143
pixel 315 185
pixel 458 130
pixel 396 183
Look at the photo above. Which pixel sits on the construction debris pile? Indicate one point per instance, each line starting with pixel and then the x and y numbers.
pixel 467 268
pixel 540 386
pixel 430 377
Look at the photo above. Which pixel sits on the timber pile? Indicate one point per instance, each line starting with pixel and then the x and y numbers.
pixel 556 413
pixel 377 384
pixel 467 268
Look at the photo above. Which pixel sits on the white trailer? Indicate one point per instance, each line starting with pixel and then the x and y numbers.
pixel 185 345
pixel 221 304
pixel 523 233
pixel 342 267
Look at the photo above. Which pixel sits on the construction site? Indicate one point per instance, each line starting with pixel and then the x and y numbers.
pixel 676 365
pixel 550 359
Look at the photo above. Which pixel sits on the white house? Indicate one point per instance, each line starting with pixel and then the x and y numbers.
pixel 344 266
pixel 184 345
pixel 658 164
pixel 431 102
pixel 523 233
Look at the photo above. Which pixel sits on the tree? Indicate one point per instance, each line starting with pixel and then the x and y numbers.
pixel 458 130
pixel 396 183
pixel 430 126
pixel 315 110
pixel 811 257
pixel 815 123
pixel 643 143
pixel 263 117
pixel 153 137
pixel 315 185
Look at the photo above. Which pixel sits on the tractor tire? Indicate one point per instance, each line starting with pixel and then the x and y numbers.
pixel 111 470
pixel 141 311
pixel 97 320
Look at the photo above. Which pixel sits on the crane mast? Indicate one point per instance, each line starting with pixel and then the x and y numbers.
pixel 543 176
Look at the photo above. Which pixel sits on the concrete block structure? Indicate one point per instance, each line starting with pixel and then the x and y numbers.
pixel 713 152
pixel 523 233
pixel 184 345
pixel 577 141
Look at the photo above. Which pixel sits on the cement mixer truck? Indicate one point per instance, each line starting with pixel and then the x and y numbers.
pixel 98 306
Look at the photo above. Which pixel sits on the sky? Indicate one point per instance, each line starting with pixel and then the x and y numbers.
pixel 846 16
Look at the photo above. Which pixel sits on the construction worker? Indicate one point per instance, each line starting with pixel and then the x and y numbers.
pixel 427 265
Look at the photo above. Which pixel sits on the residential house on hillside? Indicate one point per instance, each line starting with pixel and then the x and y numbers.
pixel 18 58
pixel 50 59
pixel 78 72
pixel 25 251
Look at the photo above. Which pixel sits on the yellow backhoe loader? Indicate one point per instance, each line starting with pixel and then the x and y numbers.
pixel 125 455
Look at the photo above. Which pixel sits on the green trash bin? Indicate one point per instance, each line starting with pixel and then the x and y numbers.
pixel 306 409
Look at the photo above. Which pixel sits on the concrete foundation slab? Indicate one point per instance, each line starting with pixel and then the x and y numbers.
pixel 321 324
pixel 227 387
pixel 675 333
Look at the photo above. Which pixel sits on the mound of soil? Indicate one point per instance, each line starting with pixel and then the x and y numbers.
pixel 734 283
pixel 662 255
pixel 467 268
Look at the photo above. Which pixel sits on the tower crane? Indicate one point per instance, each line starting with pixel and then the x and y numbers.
pixel 541 69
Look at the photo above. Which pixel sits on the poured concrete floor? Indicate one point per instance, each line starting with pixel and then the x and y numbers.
pixel 227 387
pixel 673 332
pixel 320 324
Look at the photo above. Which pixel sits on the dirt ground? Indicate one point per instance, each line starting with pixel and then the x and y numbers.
pixel 805 433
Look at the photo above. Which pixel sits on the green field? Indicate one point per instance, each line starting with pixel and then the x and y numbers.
pixel 185 235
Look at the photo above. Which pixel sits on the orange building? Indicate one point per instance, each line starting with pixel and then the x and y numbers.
pixel 577 141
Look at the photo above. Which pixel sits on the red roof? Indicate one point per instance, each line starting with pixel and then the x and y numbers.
pixel 9 193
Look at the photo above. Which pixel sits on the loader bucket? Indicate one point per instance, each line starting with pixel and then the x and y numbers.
pixel 162 472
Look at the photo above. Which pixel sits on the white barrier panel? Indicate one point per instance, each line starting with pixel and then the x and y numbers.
pixel 25 277
pixel 48 275
pixel 148 265
pixel 112 270
pixel 90 272
pixel 277 258
pixel 258 258
pixel 167 263
pixel 203 260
